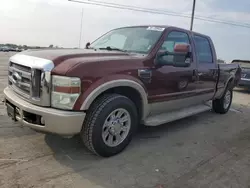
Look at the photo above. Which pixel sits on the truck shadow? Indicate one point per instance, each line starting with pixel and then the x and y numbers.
pixel 149 141
pixel 69 146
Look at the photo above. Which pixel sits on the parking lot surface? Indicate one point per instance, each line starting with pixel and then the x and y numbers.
pixel 206 150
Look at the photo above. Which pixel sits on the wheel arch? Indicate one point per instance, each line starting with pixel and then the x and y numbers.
pixel 120 86
pixel 230 82
pixel 220 92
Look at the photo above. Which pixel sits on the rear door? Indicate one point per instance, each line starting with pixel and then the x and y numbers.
pixel 207 68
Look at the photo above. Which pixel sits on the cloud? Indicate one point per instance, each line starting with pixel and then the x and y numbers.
pixel 45 22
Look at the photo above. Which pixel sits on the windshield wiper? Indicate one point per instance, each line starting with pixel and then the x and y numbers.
pixel 91 48
pixel 112 49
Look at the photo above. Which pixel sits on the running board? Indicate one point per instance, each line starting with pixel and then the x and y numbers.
pixel 175 115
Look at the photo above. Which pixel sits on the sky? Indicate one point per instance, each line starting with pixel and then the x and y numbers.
pixel 57 22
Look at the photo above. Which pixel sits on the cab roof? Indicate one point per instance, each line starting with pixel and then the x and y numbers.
pixel 165 27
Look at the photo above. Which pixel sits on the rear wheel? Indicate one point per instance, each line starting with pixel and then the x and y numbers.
pixel 110 125
pixel 182 85
pixel 223 104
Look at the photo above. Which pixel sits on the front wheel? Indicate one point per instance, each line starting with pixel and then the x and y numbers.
pixel 223 104
pixel 110 125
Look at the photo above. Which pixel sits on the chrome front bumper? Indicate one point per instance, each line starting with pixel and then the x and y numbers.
pixel 55 121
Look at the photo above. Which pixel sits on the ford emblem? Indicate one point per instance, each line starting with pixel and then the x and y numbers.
pixel 16 77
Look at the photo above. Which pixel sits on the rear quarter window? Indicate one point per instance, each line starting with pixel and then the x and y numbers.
pixel 203 49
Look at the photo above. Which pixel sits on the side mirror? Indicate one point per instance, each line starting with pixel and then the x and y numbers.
pixel 180 57
pixel 182 48
pixel 87 45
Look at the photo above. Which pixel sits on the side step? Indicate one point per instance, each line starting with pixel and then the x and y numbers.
pixel 175 115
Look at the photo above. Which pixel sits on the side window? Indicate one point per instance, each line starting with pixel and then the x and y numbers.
pixel 173 38
pixel 203 49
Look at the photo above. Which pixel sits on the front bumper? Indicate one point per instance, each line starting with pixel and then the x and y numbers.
pixel 244 82
pixel 55 121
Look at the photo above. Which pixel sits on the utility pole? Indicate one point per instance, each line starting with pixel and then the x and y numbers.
pixel 80 39
pixel 192 19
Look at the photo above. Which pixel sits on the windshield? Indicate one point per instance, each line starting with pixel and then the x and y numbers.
pixel 132 39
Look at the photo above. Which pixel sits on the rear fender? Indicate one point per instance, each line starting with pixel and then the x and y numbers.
pixel 229 83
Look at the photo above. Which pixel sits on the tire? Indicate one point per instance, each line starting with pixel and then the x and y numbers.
pixel 104 140
pixel 223 104
pixel 182 85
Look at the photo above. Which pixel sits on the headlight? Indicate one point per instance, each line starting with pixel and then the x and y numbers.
pixel 65 92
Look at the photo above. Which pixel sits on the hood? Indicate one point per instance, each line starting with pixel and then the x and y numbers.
pixel 59 56
pixel 71 61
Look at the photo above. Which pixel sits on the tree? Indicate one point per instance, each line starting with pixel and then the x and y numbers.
pixel 221 61
pixel 51 46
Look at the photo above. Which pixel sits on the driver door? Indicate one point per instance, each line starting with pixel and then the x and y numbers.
pixel 172 88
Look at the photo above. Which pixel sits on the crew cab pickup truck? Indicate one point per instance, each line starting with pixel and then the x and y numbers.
pixel 130 76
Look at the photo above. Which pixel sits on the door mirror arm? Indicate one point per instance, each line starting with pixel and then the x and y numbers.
pixel 159 61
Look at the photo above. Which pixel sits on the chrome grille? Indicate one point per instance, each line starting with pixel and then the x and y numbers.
pixel 30 78
pixel 20 78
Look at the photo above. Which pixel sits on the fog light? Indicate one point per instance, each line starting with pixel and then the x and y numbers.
pixel 42 121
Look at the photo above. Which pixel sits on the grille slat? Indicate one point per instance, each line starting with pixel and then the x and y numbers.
pixel 23 73
pixel 19 83
pixel 20 92
pixel 20 67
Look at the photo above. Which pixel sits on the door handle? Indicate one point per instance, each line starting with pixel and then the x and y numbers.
pixel 195 75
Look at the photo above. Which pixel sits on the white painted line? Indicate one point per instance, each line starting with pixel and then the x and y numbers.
pixel 69 157
pixel 234 110
pixel 13 160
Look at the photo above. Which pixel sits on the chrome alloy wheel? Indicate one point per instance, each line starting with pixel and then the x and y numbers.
pixel 227 99
pixel 116 127
pixel 183 84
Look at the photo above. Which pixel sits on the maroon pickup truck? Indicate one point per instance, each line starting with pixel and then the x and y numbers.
pixel 136 75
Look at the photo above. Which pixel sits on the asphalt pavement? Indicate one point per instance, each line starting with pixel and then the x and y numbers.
pixel 205 150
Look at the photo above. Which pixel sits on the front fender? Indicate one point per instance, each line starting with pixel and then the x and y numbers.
pixel 105 84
